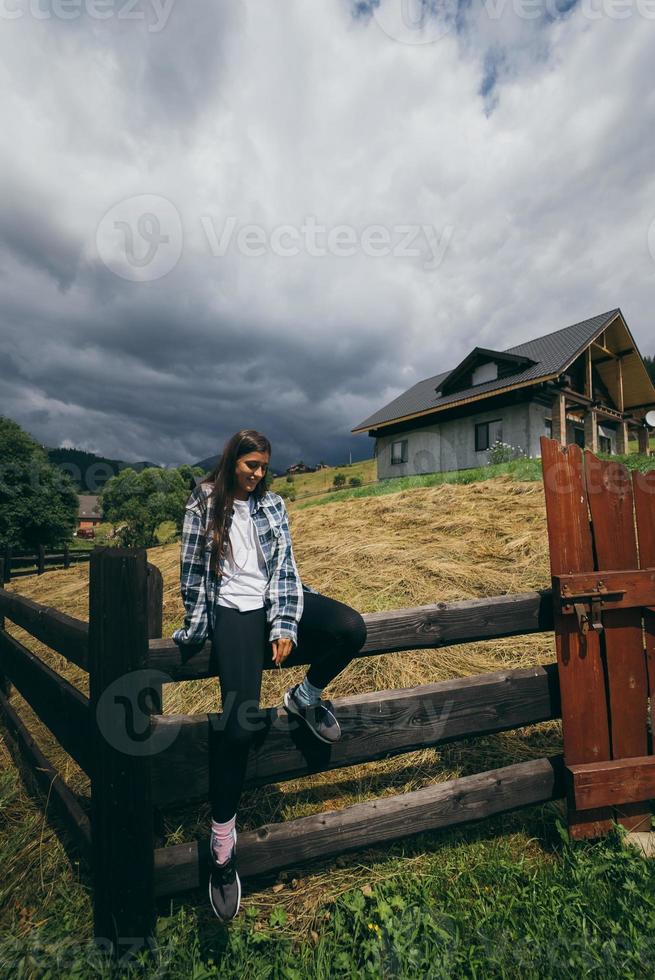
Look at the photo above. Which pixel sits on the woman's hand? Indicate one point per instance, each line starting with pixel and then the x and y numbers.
pixel 281 650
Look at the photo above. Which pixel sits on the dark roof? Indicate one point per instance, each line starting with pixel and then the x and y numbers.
pixel 87 507
pixel 550 354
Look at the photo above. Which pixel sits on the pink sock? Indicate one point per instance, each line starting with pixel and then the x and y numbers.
pixel 223 839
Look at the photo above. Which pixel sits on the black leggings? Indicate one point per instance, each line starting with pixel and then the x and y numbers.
pixel 330 634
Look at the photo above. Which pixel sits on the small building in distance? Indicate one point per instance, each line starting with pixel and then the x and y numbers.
pixel 586 383
pixel 299 468
pixel 88 514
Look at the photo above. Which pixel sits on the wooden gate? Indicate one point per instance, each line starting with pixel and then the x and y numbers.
pixel 601 532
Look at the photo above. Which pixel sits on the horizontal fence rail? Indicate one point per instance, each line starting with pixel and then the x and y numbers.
pixel 59 705
pixel 62 633
pixel 18 564
pixel 439 625
pixel 29 757
pixel 324 835
pixel 374 726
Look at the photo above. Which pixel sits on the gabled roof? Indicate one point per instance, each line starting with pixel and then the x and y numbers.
pixel 480 355
pixel 549 355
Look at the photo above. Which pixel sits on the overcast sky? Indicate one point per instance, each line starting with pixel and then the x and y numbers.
pixel 281 215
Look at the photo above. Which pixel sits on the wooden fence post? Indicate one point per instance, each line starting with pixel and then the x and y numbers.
pixel 4 682
pixel 156 617
pixel 122 701
pixel 7 564
pixel 40 557
pixel 67 557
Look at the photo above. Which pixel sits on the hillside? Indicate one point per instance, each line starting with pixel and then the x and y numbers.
pixel 321 480
pixel 88 471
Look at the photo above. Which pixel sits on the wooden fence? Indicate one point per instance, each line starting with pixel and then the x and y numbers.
pixel 37 562
pixel 140 760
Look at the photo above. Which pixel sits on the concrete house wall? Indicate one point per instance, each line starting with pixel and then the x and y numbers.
pixel 450 445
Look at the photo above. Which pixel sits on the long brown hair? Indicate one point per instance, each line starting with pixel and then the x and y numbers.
pixel 221 499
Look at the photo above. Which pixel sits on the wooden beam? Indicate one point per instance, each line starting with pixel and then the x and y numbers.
pixel 59 705
pixel 613 355
pixel 324 835
pixel 38 769
pixel 612 783
pixel 591 430
pixel 643 438
pixel 620 590
pixel 589 385
pixel 374 726
pixel 29 561
pixel 121 808
pixel 60 632
pixel 439 625
pixel 558 410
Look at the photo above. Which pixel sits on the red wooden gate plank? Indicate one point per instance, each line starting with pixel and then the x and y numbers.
pixel 582 678
pixel 598 783
pixel 609 490
pixel 644 492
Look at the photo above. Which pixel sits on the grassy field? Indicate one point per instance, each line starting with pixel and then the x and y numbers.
pixel 520 470
pixel 507 897
pixel 305 483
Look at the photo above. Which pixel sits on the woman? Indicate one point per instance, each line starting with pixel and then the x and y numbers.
pixel 241 589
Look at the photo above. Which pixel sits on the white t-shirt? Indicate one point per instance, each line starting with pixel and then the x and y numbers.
pixel 244 575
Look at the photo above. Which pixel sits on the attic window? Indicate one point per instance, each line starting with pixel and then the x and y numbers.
pixel 484 372
pixel 482 365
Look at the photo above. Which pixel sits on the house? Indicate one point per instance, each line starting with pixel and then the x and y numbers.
pixel 88 514
pixel 299 468
pixel 586 383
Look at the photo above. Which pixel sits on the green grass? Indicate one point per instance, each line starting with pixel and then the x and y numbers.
pixel 510 897
pixel 365 470
pixel 520 470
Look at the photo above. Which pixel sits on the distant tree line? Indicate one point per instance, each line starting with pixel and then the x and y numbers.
pixel 39 500
pixel 650 366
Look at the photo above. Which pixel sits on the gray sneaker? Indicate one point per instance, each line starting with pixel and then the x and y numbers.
pixel 224 887
pixel 318 717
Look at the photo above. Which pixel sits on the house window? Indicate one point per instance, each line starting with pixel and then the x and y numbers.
pixel 487 433
pixel 399 453
pixel 605 444
pixel 548 425
pixel 578 437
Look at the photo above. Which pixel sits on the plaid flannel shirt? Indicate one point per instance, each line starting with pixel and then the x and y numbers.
pixel 200 584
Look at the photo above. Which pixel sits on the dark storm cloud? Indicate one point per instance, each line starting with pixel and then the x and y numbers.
pixel 36 238
pixel 268 115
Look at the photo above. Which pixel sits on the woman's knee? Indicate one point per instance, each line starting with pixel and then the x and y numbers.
pixel 352 630
pixel 241 723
